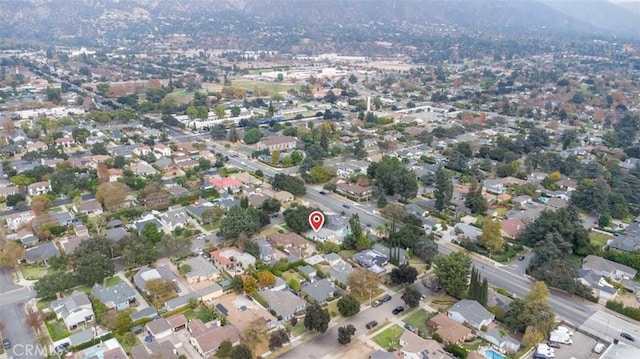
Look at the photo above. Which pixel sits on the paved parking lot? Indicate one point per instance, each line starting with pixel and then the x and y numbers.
pixel 582 348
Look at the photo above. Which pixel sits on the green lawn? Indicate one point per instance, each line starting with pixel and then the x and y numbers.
pixel 473 345
pixel 270 87
pixel 85 288
pixel 33 271
pixel 388 339
pixel 181 96
pixel 200 313
pixel 110 282
pixel 298 330
pixel 291 274
pixel 347 253
pixel 418 319
pixel 364 299
pixel 333 309
pixel 599 239
pixel 57 330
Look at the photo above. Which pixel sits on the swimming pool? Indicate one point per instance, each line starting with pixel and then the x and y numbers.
pixel 492 354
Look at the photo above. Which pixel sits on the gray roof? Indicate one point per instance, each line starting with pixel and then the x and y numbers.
pixel 80 337
pixel 319 290
pixel 42 252
pixel 119 293
pixel 200 267
pixel 332 257
pixel 341 272
pixel 145 274
pixel 369 257
pixel 284 303
pixel 593 278
pixel 29 240
pixel 307 269
pixel 158 325
pixel 148 312
pixel 116 234
pixel 175 216
pixel 66 305
pixel 381 354
pixel 602 265
pixel 472 311
pixel 140 225
pixel 386 251
pixel 497 336
pixel 264 247
pixel 181 301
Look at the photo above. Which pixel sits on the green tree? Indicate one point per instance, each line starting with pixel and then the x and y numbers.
pixel 403 274
pixel 241 351
pixel 252 136
pixel 297 218
pixel 491 237
pixel 278 338
pixel 239 220
pixel 444 189
pixel 453 271
pixel 224 350
pixel 348 306
pixel 474 200
pixel 220 111
pixel 233 134
pixel 249 285
pixel 411 297
pixel 345 333
pixel 362 281
pixel 235 111
pixel 294 185
pixel 317 319
pixel 151 232
pixel 425 248
pixel 92 262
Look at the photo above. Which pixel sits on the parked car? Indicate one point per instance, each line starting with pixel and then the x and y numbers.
pixel 386 298
pixel 520 258
pixel 409 327
pixel 371 324
pixel 554 345
pixel 62 347
pixel 628 337
pixel 376 303
pixel 6 343
pixel 397 310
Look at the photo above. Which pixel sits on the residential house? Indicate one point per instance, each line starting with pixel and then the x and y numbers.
pixel 154 349
pixel 177 322
pixel 414 347
pixel 246 179
pixel 232 259
pixel 401 253
pixel 355 191
pixel 114 174
pixel 449 330
pixel 598 284
pixel 282 196
pixel 209 293
pixel 145 274
pixel 175 217
pixel 9 191
pixel 142 151
pixel 416 210
pixel 181 301
pixel 494 186
pixel 292 243
pixel 74 310
pixel 162 150
pixel 39 188
pixel 118 297
pixel 502 340
pixel 284 303
pixel 371 260
pixel 41 253
pixel 341 272
pixel 201 270
pixel 308 272
pixel 29 240
pixel 265 249
pixel 277 143
pixel 606 268
pixel 147 218
pixel 65 142
pixel 333 259
pixel 470 312
pixel 91 208
pixel 142 168
pixel 17 220
pixel 257 199
pixel 208 340
pixel 225 184
pixel 512 227
pixel 467 231
pixel 347 169
pixel 159 328
pixel 320 290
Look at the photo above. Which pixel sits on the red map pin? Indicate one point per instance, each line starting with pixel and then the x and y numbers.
pixel 316 220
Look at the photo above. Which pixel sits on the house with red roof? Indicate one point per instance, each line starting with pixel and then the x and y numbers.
pixel 225 183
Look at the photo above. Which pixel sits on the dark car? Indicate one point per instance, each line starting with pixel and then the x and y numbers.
pixel 398 310
pixel 62 347
pixel 376 303
pixel 409 327
pixel 520 258
pixel 628 337
pixel 553 345
pixel 371 324
pixel 386 298
pixel 323 192
pixel 346 206
pixel 6 343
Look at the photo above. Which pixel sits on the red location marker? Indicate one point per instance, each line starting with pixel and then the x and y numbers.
pixel 316 220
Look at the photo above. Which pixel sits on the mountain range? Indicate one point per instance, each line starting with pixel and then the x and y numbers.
pixel 83 20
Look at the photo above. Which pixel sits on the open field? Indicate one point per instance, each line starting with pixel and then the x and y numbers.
pixel 271 87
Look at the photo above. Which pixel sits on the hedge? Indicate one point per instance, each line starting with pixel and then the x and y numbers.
pixel 91 342
pixel 631 312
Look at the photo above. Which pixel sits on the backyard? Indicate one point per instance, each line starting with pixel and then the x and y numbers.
pixel 388 339
pixel 418 319
pixel 291 274
pixel 110 282
pixel 199 313
pixel 599 239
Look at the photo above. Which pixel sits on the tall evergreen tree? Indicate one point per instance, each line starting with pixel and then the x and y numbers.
pixel 484 293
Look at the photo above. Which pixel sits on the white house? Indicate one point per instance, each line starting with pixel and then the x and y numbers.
pixel 16 220
pixel 162 150
pixel 73 310
pixel 159 328
pixel 38 188
pixel 175 217
pixel 470 312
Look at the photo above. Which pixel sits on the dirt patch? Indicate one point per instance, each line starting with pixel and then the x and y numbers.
pixel 357 350
pixel 629 299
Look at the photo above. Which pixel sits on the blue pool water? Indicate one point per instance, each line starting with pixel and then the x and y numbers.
pixel 492 354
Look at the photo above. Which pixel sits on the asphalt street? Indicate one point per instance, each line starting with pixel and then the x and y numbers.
pixel 324 344
pixel 13 315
